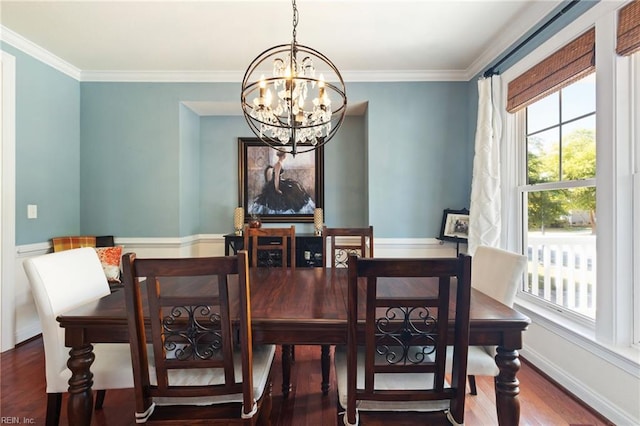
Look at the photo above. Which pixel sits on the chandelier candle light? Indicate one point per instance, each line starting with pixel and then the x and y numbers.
pixel 293 97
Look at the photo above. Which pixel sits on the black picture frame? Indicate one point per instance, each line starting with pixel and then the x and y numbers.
pixel 306 169
pixel 455 225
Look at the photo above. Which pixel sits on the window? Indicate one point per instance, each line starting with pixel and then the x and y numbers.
pixel 559 198
pixel 579 285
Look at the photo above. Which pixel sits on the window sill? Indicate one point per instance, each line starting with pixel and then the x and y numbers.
pixel 581 334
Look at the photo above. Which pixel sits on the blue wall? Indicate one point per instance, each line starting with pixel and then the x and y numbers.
pixel 419 158
pixel 129 159
pixel 189 172
pixel 47 150
pixel 410 163
pixel 344 174
pixel 219 171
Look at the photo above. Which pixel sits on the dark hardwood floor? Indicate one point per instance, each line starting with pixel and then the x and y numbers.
pixel 23 396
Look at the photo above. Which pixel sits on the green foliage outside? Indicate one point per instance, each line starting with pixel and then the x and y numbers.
pixel 575 160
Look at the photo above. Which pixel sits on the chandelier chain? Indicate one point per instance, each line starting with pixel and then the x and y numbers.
pixel 295 20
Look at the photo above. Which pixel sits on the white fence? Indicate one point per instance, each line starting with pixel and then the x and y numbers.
pixel 562 270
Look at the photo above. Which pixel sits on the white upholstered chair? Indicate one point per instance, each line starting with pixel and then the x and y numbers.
pixel 496 273
pixel 60 282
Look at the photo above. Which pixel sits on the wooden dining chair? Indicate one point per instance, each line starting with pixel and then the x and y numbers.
pixel 497 273
pixel 271 246
pixel 59 282
pixel 396 359
pixel 337 245
pixel 201 367
pixel 346 241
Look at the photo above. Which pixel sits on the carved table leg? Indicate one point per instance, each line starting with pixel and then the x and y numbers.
pixel 507 387
pixel 325 360
pixel 80 402
pixel 286 370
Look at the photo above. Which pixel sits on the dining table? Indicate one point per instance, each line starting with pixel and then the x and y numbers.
pixel 296 306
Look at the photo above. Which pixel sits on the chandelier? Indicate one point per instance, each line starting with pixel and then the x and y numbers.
pixel 293 97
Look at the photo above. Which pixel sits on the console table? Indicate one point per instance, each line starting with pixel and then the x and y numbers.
pixel 308 248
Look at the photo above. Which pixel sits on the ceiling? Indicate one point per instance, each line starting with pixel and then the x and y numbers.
pixel 212 40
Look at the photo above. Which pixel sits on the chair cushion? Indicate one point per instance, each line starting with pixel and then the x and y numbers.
pixel 480 361
pixel 384 381
pixel 110 258
pixel 263 356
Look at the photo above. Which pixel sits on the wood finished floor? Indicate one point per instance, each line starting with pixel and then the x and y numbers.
pixel 542 404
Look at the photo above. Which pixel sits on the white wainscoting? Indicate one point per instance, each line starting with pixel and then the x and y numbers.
pixel 25 314
pixel 414 247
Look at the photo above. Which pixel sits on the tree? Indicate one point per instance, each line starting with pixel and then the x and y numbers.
pixel 544 207
pixel 574 160
pixel 579 162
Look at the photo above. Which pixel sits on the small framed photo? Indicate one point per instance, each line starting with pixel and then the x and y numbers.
pixel 276 186
pixel 455 225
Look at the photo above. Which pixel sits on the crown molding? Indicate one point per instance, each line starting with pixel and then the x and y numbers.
pixel 236 76
pixel 163 76
pixel 37 52
pixel 406 76
pixel 515 31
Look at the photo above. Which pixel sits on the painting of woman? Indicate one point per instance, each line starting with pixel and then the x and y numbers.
pixel 281 194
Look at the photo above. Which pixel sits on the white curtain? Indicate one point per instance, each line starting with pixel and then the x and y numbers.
pixel 485 206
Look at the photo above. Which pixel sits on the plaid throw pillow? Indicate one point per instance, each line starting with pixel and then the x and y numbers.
pixel 68 243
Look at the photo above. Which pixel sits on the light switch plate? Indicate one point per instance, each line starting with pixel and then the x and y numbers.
pixel 32 211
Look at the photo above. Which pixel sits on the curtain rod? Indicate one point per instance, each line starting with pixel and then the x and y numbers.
pixel 492 70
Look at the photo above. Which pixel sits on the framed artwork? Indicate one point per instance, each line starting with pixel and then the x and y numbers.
pixel 277 186
pixel 455 225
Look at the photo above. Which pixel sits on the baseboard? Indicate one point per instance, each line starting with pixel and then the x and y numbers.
pixel 28 332
pixel 599 405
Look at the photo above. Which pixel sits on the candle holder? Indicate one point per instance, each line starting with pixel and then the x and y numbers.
pixel 317 221
pixel 238 220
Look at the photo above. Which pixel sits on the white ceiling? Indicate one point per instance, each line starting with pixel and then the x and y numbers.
pixel 212 40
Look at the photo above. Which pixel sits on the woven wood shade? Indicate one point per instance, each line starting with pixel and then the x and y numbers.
pixel 629 29
pixel 570 63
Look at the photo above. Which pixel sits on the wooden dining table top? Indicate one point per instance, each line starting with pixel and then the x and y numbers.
pixel 297 306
